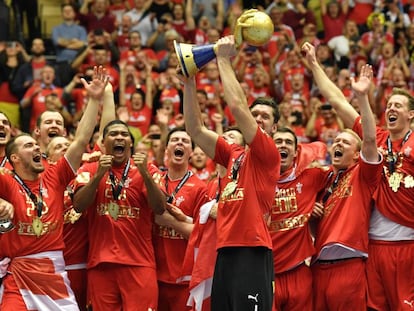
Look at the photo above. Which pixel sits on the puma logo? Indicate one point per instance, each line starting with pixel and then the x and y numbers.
pixel 251 297
pixel 410 303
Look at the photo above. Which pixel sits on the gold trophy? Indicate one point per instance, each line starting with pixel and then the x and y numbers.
pixel 253 27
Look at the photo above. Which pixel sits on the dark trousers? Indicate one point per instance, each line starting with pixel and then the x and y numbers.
pixel 243 279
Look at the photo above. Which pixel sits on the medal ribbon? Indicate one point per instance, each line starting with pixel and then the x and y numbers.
pixel 393 160
pixel 218 189
pixel 183 180
pixel 116 191
pixel 236 166
pixel 332 186
pixel 32 196
pixel 3 162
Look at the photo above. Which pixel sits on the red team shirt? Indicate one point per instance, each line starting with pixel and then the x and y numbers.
pixel 396 206
pixel 126 240
pixel 22 240
pixel 249 207
pixel 292 208
pixel 75 233
pixel 348 208
pixel 170 246
pixel 140 119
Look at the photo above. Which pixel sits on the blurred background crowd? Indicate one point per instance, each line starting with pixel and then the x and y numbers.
pixel 46 46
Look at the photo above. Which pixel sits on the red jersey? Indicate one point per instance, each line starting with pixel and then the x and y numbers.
pixel 171 93
pixel 255 93
pixel 242 216
pixel 6 96
pixel 395 204
pixel 140 119
pixel 22 240
pixel 122 42
pixel 125 239
pixel 326 132
pixel 206 172
pixel 80 97
pixel 348 208
pixel 333 26
pixel 293 205
pixel 170 246
pixel 75 232
pixel 368 37
pixel 131 55
pixel 284 30
pixel 38 101
pixel 91 22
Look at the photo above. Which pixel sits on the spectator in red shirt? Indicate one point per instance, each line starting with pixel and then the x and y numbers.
pixel 297 16
pixel 334 15
pixel 135 47
pixel 122 35
pixel 35 95
pixel 281 29
pixel 183 21
pixel 94 14
pixel 324 124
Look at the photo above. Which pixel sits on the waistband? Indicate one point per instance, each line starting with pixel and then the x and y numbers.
pixel 334 261
pixel 382 242
pixel 78 266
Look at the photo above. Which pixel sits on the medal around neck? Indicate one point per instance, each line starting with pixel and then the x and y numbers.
pixel 6 225
pixel 229 189
pixel 394 181
pixel 113 209
pixel 37 226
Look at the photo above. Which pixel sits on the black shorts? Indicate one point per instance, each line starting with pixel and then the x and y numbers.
pixel 243 279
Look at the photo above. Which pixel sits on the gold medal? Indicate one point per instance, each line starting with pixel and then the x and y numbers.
pixel 394 181
pixel 409 181
pixel 74 216
pixel 113 209
pixel 71 216
pixel 229 189
pixel 37 226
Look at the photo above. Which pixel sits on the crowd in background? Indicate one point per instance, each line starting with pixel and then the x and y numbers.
pixel 134 41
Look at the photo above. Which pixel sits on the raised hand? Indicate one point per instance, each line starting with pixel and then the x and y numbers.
pixel 309 51
pixel 95 89
pixel 361 87
pixel 140 160
pixel 226 47
pixel 105 163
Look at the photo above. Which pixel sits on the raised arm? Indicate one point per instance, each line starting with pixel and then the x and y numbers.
pixel 202 136
pixel 233 92
pixel 361 89
pixel 86 126
pixel 108 113
pixel 328 89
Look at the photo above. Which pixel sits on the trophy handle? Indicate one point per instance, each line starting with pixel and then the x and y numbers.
pixel 193 57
